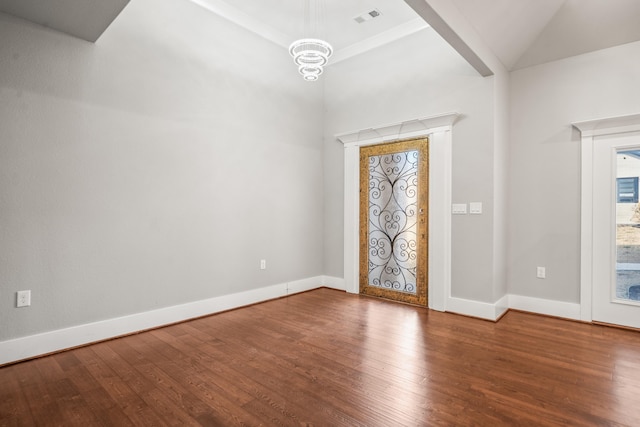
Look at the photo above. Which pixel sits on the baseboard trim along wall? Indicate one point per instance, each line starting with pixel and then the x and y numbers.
pixel 562 309
pixel 49 342
pixel 482 310
pixel 493 311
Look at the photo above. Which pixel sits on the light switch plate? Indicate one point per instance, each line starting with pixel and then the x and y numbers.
pixel 459 209
pixel 475 208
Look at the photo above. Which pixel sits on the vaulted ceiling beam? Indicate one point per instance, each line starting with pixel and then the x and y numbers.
pixel 436 21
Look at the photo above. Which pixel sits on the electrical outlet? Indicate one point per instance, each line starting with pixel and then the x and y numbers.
pixel 541 273
pixel 263 264
pixel 23 298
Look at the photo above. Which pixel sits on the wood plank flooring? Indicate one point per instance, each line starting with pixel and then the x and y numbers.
pixel 327 358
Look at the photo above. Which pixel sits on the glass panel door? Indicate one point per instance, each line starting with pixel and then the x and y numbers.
pixel 393 221
pixel 627 226
pixel 616 230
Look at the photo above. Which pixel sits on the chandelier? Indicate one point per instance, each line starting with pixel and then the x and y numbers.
pixel 311 54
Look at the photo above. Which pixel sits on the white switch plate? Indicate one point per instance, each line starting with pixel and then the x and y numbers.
pixel 23 298
pixel 541 273
pixel 459 209
pixel 475 208
pixel 263 264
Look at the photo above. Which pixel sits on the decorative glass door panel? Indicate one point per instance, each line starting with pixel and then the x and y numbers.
pixel 393 221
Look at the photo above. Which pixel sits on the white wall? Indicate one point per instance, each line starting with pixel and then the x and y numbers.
pixel 501 184
pixel 157 166
pixel 153 168
pixel 418 76
pixel 544 174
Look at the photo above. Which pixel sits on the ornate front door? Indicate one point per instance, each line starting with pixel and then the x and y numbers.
pixel 394 220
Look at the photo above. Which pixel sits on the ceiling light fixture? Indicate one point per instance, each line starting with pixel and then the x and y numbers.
pixel 311 54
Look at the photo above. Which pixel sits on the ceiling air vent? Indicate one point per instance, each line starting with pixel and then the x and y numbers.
pixel 367 16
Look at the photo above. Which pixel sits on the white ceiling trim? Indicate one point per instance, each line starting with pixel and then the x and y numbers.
pixel 395 33
pixel 230 13
pixel 247 22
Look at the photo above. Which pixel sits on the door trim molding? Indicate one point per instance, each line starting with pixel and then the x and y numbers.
pixel 590 130
pixel 438 129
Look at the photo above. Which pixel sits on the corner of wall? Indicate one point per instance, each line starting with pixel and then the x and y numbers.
pixel 500 183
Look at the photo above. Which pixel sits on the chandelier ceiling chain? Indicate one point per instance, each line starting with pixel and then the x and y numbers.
pixel 311 54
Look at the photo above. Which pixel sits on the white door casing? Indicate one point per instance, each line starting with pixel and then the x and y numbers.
pixel 438 130
pixel 605 306
pixel 600 141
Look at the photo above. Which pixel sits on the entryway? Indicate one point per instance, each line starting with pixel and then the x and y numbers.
pixel 438 129
pixel 616 232
pixel 394 220
pixel 610 221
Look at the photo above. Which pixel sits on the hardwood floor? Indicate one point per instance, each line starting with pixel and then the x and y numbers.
pixel 327 358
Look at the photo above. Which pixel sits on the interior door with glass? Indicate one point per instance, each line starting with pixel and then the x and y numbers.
pixel 394 221
pixel 616 231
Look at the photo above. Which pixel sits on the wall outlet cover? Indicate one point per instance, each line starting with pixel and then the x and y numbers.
pixel 23 298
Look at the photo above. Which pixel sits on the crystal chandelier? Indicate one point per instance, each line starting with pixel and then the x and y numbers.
pixel 311 54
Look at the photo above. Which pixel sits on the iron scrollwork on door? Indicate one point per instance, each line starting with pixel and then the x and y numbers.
pixel 392 225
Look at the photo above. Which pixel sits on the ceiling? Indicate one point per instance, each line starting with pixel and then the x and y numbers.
pixel 85 19
pixel 521 33
pixel 282 21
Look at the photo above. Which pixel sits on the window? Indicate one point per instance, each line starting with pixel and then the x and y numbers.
pixel 627 190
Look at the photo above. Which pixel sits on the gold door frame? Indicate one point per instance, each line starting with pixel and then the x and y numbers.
pixel 422 146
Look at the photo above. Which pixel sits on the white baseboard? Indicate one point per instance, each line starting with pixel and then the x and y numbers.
pixel 566 310
pixel 334 283
pixel 303 285
pixel 501 307
pixel 61 339
pixel 482 310
pixel 48 342
pixel 494 311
